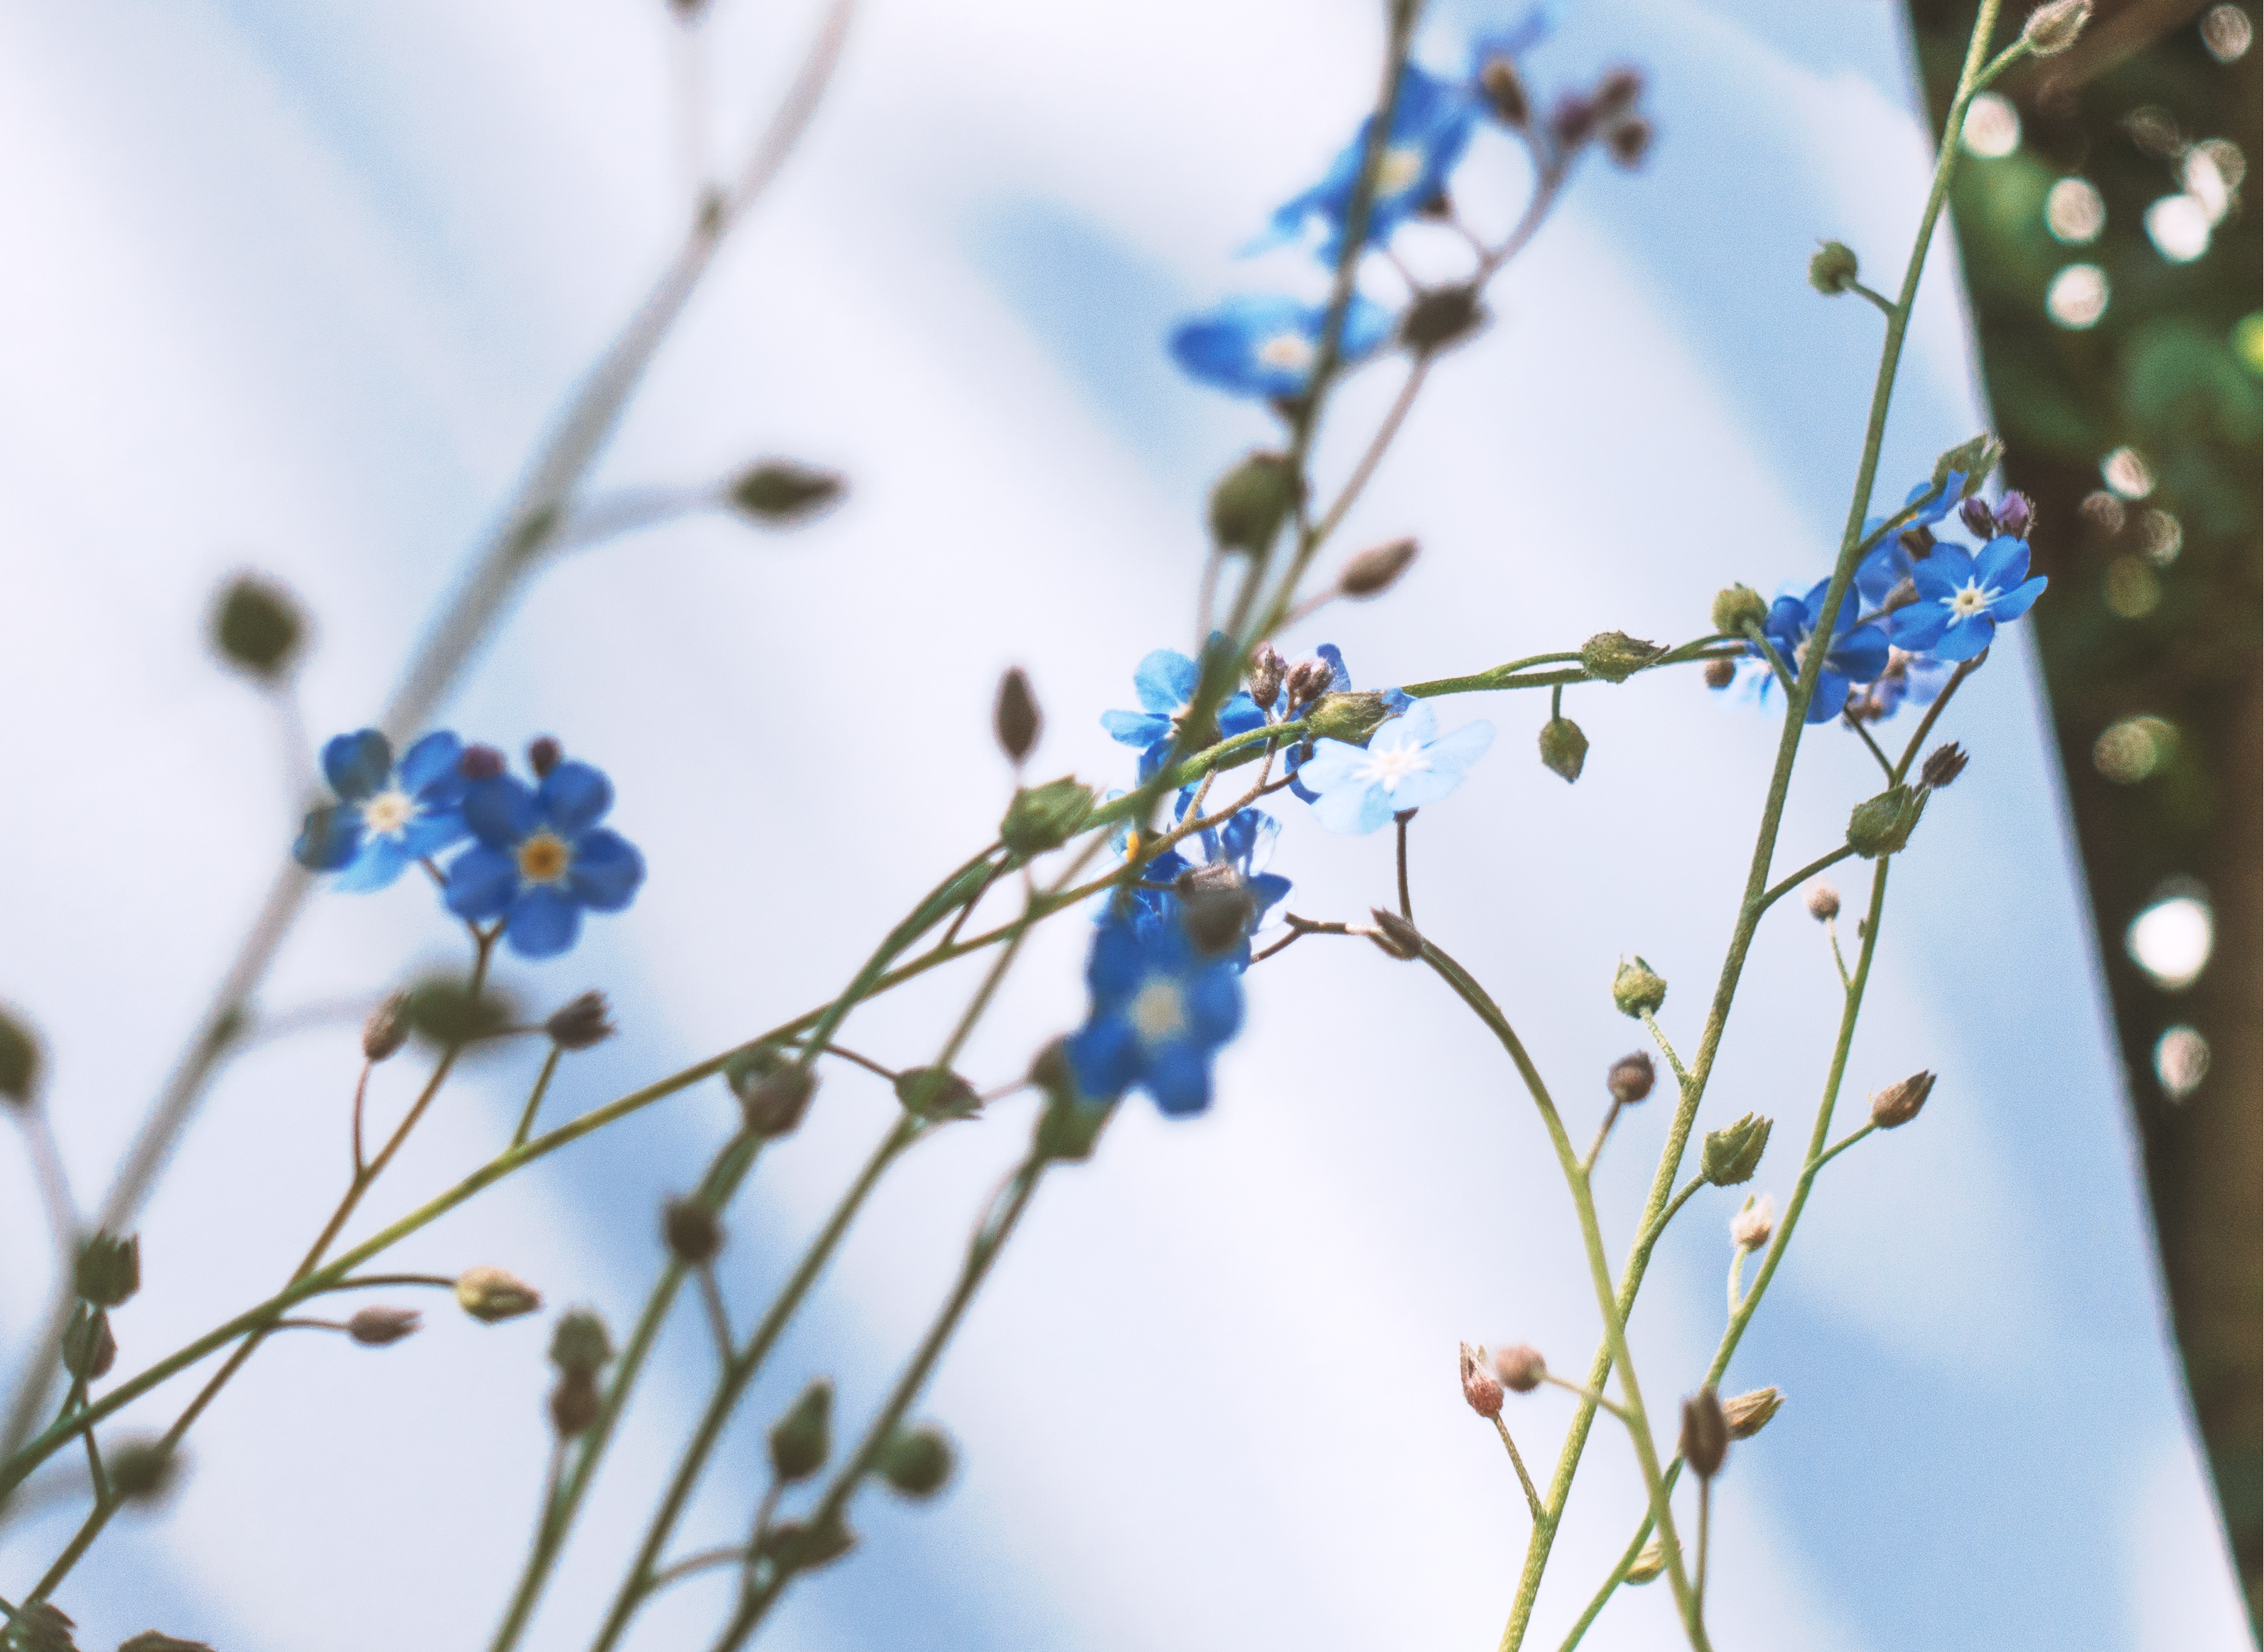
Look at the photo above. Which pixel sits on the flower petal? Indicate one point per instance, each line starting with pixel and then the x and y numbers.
pixel 2019 600
pixel 1105 1058
pixel 1238 716
pixel 2003 562
pixel 1831 697
pixel 1165 681
pixel 481 883
pixel 1967 638
pixel 544 922
pixel 375 866
pixel 1332 764
pixel 431 833
pixel 1861 654
pixel 1357 809
pixel 1214 1005
pixel 433 758
pixel 501 811
pixel 575 797
pixel 358 765
pixel 1135 728
pixel 1332 657
pixel 1451 758
pixel 606 871
pixel 1920 626
pixel 1178 1077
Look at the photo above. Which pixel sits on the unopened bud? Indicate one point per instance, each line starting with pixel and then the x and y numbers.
pixel 89 1347
pixel 1748 1414
pixel 774 1090
pixel 1520 1368
pixel 544 754
pixel 1438 319
pixel 781 491
pixel 2051 29
pixel 1972 460
pixel 1919 541
pixel 20 1061
pixel 790 1545
pixel 1631 1077
pixel 381 1327
pixel 1834 270
pixel 1942 764
pixel 1351 718
pixel 1822 902
pixel 445 1011
pixel 41 1628
pixel 575 1404
pixel 803 1440
pixel 109 1269
pixel 1572 119
pixel 1375 570
pixel 1733 1153
pixel 1267 671
pixel 1629 141
pixel 144 1470
pixel 1618 91
pixel 1016 716
pixel 1721 673
pixel 1505 89
pixel 1043 818
pixel 1755 1221
pixel 151 1640
pixel 1396 935
pixel 481 762
pixel 1308 679
pixel 1480 1387
pixel 259 628
pixel 580 1346
pixel 1637 990
pixel 1216 907
pixel 1979 519
pixel 491 1294
pixel 1563 747
pixel 2016 513
pixel 1705 1434
pixel 1899 1104
pixel 1649 1564
pixel 691 1231
pixel 916 1461
pixel 1249 503
pixel 1737 607
pixel 387 1030
pixel 582 1023
pixel 1615 656
pixel 937 1092
pixel 1882 824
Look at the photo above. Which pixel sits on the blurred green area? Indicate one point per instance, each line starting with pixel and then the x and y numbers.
pixel 2114 269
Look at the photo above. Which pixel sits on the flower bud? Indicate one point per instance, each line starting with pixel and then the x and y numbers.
pixel 1899 1104
pixel 1613 656
pixel 387 1028
pixel 581 1023
pixel 1572 119
pixel 937 1092
pixel 1351 718
pixel 792 1546
pixel 257 628
pixel 1748 1414
pixel 693 1234
pixel 444 1012
pixel 1396 935
pixel 1249 503
pixel 1520 1368
pixel 1649 1564
pixel 580 1347
pixel 20 1061
pixel 803 1440
pixel 2051 29
pixel 916 1461
pixel 1972 460
pixel 1737 607
pixel 1267 672
pixel 89 1348
pixel 1563 747
pixel 1441 318
pixel 781 491
pixel 1376 569
pixel 1918 540
pixel 1705 1434
pixel 1070 1126
pixel 575 1404
pixel 1942 764
pixel 1721 673
pixel 1755 1221
pixel 2016 512
pixel 41 1628
pixel 1016 715
pixel 1882 825
pixel 1043 817
pixel 1308 680
pixel 544 754
pixel 143 1470
pixel 381 1327
pixel 1833 269
pixel 1480 1387
pixel 1630 142
pixel 490 1294
pixel 1637 990
pixel 1618 91
pixel 774 1090
pixel 1504 90
pixel 1733 1153
pixel 151 1640
pixel 1979 520
pixel 1216 907
pixel 1822 902
pixel 1631 1077
pixel 109 1269
pixel 481 762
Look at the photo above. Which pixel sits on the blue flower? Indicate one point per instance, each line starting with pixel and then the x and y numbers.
pixel 1431 125
pixel 1243 845
pixel 1160 1011
pixel 1857 653
pixel 1962 598
pixel 1891 563
pixel 1405 765
pixel 1914 677
pixel 1263 344
pixel 1165 684
pixel 541 858
pixel 386 818
pixel 1512 40
pixel 1395 700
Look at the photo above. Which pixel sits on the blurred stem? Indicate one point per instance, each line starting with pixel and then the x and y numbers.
pixel 1532 1494
pixel 534 1097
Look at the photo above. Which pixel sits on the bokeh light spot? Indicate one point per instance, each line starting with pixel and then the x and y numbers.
pixel 2127 474
pixel 1992 128
pixel 2181 1061
pixel 2179 226
pixel 2077 297
pixel 2075 211
pixel 2225 29
pixel 2128 751
pixel 2172 940
pixel 2132 590
pixel 2161 536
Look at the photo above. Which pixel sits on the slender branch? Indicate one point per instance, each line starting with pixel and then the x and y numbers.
pixel 1965 669
pixel 1783 887
pixel 1532 1494
pixel 1406 905
pixel 534 1096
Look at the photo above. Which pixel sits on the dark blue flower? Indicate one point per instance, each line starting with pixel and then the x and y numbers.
pixel 542 858
pixel 1857 653
pixel 1263 344
pixel 1890 562
pixel 1964 597
pixel 1431 125
pixel 1915 678
pixel 1165 684
pixel 387 818
pixel 1160 1011
pixel 1243 844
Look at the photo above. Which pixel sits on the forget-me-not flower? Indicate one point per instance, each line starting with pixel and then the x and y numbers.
pixel 1856 654
pixel 1964 597
pixel 386 818
pixel 1242 844
pixel 1406 763
pixel 1431 124
pixel 1914 677
pixel 1160 1011
pixel 1889 563
pixel 1264 344
pixel 1394 701
pixel 541 858
pixel 1165 682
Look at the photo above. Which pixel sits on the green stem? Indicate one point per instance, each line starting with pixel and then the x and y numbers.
pixel 1965 669
pixel 1532 1496
pixel 1777 891
pixel 534 1097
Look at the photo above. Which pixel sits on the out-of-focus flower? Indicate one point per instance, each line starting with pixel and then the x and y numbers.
pixel 1963 598
pixel 541 858
pixel 1432 120
pixel 1406 763
pixel 1856 654
pixel 387 816
pixel 1264 344
pixel 1160 1011
pixel 1166 683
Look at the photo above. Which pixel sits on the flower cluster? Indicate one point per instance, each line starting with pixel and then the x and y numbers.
pixel 537 858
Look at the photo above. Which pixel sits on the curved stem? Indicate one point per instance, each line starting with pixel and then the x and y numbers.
pixel 534 1097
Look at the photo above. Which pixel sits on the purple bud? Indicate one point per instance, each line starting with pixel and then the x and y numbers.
pixel 2016 513
pixel 543 755
pixel 480 762
pixel 1975 515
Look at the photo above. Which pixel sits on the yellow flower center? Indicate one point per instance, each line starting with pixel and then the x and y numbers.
pixel 1291 352
pixel 1159 1012
pixel 1402 165
pixel 544 858
pixel 1973 599
pixel 386 814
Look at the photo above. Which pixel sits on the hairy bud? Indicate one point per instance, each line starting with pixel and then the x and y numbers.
pixel 1733 1153
pixel 20 1061
pixel 1480 1387
pixel 779 492
pixel 1972 460
pixel 791 1546
pixel 1043 818
pixel 544 754
pixel 916 1462
pixel 1016 715
pixel 1754 1223
pixel 1613 656
pixel 1979 520
pixel 387 1028
pixel 1942 764
pixel 774 1090
pixel 1748 1414
pixel 257 628
pixel 693 1234
pixel 803 1440
pixel 1899 1104
pixel 581 1023
pixel 937 1092
pixel 1563 747
pixel 2016 513
pixel 1882 824
pixel 1249 503
pixel 109 1269
pixel 89 1348
pixel 445 1011
pixel 1308 680
pixel 1737 607
pixel 1822 902
pixel 1267 672
pixel 1375 570
pixel 381 1327
pixel 1520 1368
pixel 1631 1077
pixel 1396 935
pixel 1441 318
pixel 1650 1563
pixel 1637 990
pixel 1833 269
pixel 2051 29
pixel 580 1346
pixel 492 1294
pixel 1618 91
pixel 1705 1434
pixel 1721 673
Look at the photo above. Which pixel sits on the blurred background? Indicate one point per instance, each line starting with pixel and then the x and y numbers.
pixel 299 292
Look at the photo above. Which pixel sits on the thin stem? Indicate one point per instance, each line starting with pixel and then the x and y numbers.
pixel 690 1565
pixel 1698 1584
pixel 1591 1396
pixel 1884 305
pixel 1965 669
pixel 1406 905
pixel 534 1096
pixel 1831 934
pixel 54 1185
pixel 1886 767
pixel 361 1096
pixel 1666 1049
pixel 1783 887
pixel 1842 1145
pixel 1603 1135
pixel 1532 1494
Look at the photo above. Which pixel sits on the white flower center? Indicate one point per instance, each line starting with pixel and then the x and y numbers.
pixel 1160 1013
pixel 1402 164
pixel 1391 764
pixel 1975 598
pixel 387 814
pixel 1291 352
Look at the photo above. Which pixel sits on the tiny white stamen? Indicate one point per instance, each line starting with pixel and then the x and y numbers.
pixel 387 814
pixel 1292 352
pixel 1159 1012
pixel 1974 599
pixel 1388 765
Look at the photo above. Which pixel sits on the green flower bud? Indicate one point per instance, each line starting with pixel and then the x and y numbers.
pixel 1043 817
pixel 1070 1126
pixel 937 1092
pixel 257 628
pixel 773 1087
pixel 443 1011
pixel 1442 318
pixel 1350 718
pixel 691 1231
pixel 1563 747
pixel 109 1269
pixel 916 1461
pixel 803 1440
pixel 1748 1414
pixel 1733 1153
pixel 40 1628
pixel 1249 503
pixel 151 1640
pixel 781 491
pixel 1834 270
pixel 20 1061
pixel 2051 29
pixel 792 1546
pixel 1737 607
pixel 575 1404
pixel 1647 1565
pixel 1637 990
pixel 1613 656
pixel 580 1347
pixel 143 1470
pixel 89 1348
pixel 1882 824
pixel 1973 460
pixel 491 1295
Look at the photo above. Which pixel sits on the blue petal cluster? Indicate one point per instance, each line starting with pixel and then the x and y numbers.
pixel 1431 120
pixel 1165 682
pixel 1962 598
pixel 1160 1011
pixel 1854 653
pixel 388 817
pixel 1406 763
pixel 1263 345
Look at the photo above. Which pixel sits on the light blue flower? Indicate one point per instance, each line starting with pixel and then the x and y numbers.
pixel 543 859
pixel 1394 701
pixel 387 818
pixel 1431 124
pixel 1856 654
pixel 1405 765
pixel 1160 1011
pixel 1265 345
pixel 1962 598
pixel 1165 682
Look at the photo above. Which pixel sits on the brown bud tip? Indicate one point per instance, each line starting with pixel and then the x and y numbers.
pixel 1505 91
pixel 1016 716
pixel 1942 764
pixel 772 1088
pixel 574 1404
pixel 1899 1104
pixel 258 627
pixel 1749 1414
pixel 1618 91
pixel 1721 673
pixel 1267 672
pixel 544 754
pixel 1919 541
pixel 1480 1387
pixel 43 1628
pixel 1705 1434
pixel 387 1030
pixel 1215 906
pixel 1396 935
pixel 1308 680
pixel 1631 1077
pixel 2051 29
pixel 1572 119
pixel 2016 512
pixel 1520 1368
pixel 481 763
pixel 579 1346
pixel 581 1024
pixel 1629 141
pixel 691 1231
pixel 1375 570
pixel 1822 902
pixel 1440 318
pixel 1978 518
pixel 381 1327
pixel 492 1294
